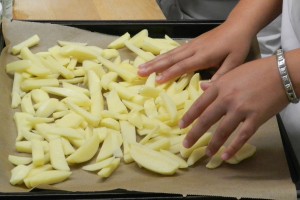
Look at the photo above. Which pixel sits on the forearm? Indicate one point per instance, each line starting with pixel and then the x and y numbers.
pixel 250 16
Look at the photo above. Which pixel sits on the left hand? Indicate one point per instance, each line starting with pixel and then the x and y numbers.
pixel 247 96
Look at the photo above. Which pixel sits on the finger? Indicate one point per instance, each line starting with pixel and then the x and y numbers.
pixel 208 118
pixel 165 61
pixel 184 66
pixel 227 125
pixel 205 85
pixel 198 107
pixel 244 133
pixel 229 63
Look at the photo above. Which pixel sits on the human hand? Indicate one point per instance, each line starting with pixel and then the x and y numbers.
pixel 224 47
pixel 242 99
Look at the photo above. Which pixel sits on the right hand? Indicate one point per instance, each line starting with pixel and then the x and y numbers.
pixel 224 47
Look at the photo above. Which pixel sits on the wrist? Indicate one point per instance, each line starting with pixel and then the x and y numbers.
pixel 285 77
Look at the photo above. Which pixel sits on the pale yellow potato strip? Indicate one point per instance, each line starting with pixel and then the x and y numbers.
pixel 16 90
pixel 19 160
pixel 37 153
pixel 98 165
pixel 48 177
pixel 107 171
pixel 18 66
pixel 89 117
pixel 97 101
pixel 153 160
pixel 57 155
pixel 124 74
pixel 30 84
pixel 86 151
pixel 30 42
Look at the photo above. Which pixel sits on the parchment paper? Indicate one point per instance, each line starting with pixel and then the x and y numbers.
pixel 265 175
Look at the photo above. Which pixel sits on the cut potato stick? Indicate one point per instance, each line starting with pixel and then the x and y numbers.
pixel 47 177
pixel 86 151
pixel 19 160
pixel 33 40
pixel 57 155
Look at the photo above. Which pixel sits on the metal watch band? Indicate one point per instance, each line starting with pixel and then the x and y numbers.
pixel 287 83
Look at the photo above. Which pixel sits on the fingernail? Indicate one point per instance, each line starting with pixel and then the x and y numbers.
pixel 181 124
pixel 208 153
pixel 142 70
pixel 186 143
pixel 142 65
pixel 159 78
pixel 225 156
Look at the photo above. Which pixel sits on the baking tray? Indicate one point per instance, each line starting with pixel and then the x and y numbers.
pixel 177 30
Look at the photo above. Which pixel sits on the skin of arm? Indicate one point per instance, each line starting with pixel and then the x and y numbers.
pixel 233 98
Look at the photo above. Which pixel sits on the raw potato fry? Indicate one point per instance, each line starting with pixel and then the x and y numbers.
pixel 99 165
pixel 47 108
pixel 30 84
pixel 18 160
pixel 55 52
pixel 26 146
pixel 86 151
pixel 76 88
pixel 26 104
pixel 109 146
pixel 182 163
pixel 128 131
pixel 67 147
pixel 37 153
pixel 33 40
pixel 48 177
pixel 47 129
pixel 18 66
pixel 66 43
pixel 114 103
pixel 110 123
pixel 28 135
pixel 91 119
pixel 39 95
pixel 107 171
pixel 77 101
pixel 97 102
pixel 202 141
pixel 245 152
pixel 138 39
pixel 80 53
pixel 19 173
pixel 108 78
pixel 70 120
pixel 169 105
pixel 66 73
pixel 122 91
pixel 37 68
pixel 16 91
pixel 125 74
pixel 216 160
pixel 119 42
pixel 57 155
pixel 109 53
pixel 196 155
pixel 153 160
pixel 65 92
pixel 147 56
